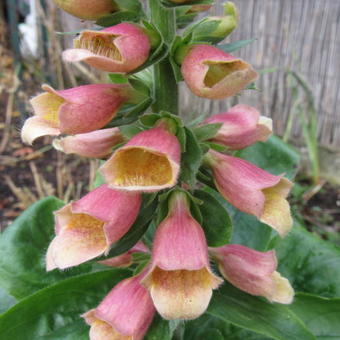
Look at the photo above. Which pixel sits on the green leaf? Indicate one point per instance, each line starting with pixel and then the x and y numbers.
pixel 236 45
pixel 274 156
pixel 320 315
pixel 191 159
pixel 311 264
pixel 117 78
pixel 118 17
pixel 54 312
pixel 207 326
pixel 137 230
pixel 207 131
pixel 6 301
pixel 247 230
pixel 22 251
pixel 272 320
pixel 159 330
pixel 216 221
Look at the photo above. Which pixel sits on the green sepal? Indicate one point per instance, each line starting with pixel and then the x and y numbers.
pixel 191 159
pixel 168 3
pixel 236 45
pixel 206 131
pixel 216 222
pixel 137 230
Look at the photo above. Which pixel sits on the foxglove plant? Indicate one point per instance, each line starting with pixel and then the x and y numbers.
pixel 158 171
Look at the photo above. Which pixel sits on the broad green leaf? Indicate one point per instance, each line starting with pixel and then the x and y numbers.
pixel 191 159
pixel 274 156
pixel 311 264
pixel 272 320
pixel 216 221
pixel 320 315
pixel 54 312
pixel 236 45
pixel 210 327
pixel 6 301
pixel 22 251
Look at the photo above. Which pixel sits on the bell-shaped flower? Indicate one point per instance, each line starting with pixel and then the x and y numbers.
pixel 77 110
pixel 253 272
pixel 125 259
pixel 86 228
pixel 148 162
pixel 120 48
pixel 179 279
pixel 241 126
pixel 125 313
pixel 95 144
pixel 87 9
pixel 252 190
pixel 211 73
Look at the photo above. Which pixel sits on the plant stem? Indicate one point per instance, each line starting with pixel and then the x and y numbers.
pixel 165 86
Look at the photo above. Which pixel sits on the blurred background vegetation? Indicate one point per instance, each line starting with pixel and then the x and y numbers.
pixel 297 53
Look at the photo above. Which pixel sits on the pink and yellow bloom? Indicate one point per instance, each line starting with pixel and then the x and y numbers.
pixel 86 228
pixel 211 73
pixel 125 313
pixel 120 48
pixel 94 144
pixel 73 111
pixel 149 162
pixel 254 272
pixel 252 190
pixel 241 126
pixel 179 279
pixel 87 9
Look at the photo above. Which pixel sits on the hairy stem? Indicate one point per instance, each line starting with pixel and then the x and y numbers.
pixel 165 86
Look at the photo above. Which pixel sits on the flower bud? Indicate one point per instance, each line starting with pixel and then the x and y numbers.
pixel 86 228
pixel 254 272
pixel 87 9
pixel 95 144
pixel 252 190
pixel 211 73
pixel 120 48
pixel 125 260
pixel 77 110
pixel 148 162
pixel 179 279
pixel 241 126
pixel 125 313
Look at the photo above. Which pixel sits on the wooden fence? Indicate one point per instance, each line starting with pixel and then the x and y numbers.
pixel 299 35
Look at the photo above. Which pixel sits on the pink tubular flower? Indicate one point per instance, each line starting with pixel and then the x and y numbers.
pixel 252 190
pixel 77 110
pixel 148 162
pixel 241 126
pixel 120 48
pixel 86 228
pixel 95 144
pixel 254 272
pixel 87 9
pixel 214 74
pixel 179 279
pixel 125 313
pixel 125 260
